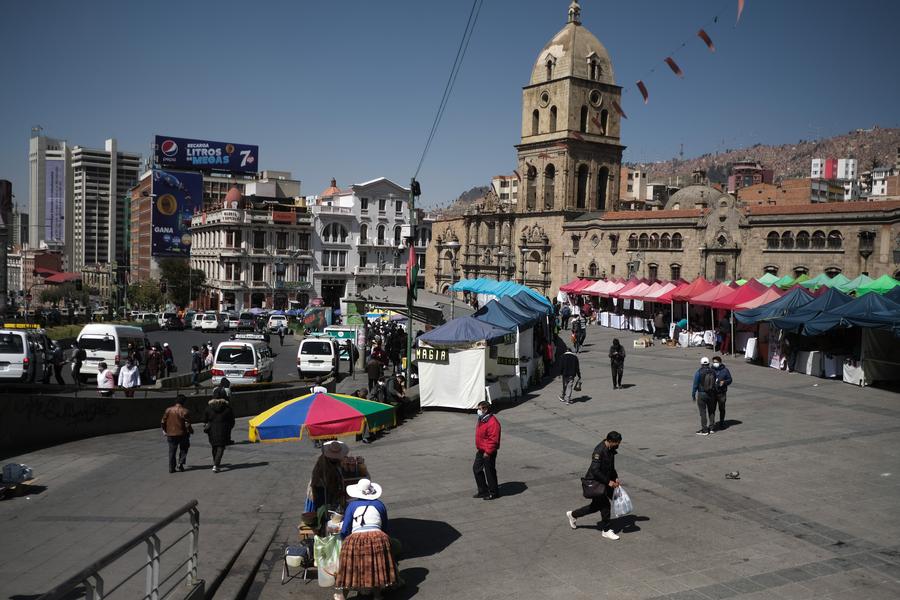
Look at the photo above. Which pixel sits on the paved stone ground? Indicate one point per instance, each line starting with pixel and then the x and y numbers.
pixel 813 515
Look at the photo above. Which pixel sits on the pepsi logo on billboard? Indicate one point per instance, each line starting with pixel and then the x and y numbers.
pixel 169 148
pixel 205 155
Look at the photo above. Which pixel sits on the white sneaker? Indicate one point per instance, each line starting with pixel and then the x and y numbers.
pixel 610 534
pixel 571 520
pixel 215 469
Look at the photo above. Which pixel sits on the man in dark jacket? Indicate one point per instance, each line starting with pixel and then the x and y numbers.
pixel 374 371
pixel 219 422
pixel 487 443
pixel 196 367
pixel 723 380
pixel 78 357
pixel 176 424
pixel 58 359
pixel 570 371
pixel 603 470
pixel 617 363
pixel 703 393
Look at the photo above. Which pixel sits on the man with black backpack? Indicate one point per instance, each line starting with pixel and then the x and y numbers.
pixel 703 392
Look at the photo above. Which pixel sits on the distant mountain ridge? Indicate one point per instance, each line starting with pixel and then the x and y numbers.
pixel 786 160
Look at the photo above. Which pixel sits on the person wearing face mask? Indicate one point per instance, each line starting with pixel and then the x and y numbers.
pixel 603 471
pixel 723 380
pixel 487 442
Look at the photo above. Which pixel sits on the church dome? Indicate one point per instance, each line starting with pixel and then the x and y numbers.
pixel 573 52
pixel 695 196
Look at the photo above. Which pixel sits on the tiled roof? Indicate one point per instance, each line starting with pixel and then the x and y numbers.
pixel 631 215
pixel 826 207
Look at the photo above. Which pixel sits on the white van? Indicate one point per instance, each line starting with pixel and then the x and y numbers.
pixel 276 321
pixel 245 359
pixel 197 321
pixel 212 322
pixel 163 317
pixel 22 354
pixel 317 356
pixel 109 344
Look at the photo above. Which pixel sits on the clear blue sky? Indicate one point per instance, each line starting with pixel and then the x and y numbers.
pixel 348 89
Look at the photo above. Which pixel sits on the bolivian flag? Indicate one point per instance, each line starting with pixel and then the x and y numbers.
pixel 412 273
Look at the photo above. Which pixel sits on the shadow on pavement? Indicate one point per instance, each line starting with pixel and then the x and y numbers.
pixel 625 386
pixel 78 592
pixel 22 489
pixel 732 422
pixel 511 488
pixel 227 467
pixel 421 537
pixel 629 523
pixel 413 578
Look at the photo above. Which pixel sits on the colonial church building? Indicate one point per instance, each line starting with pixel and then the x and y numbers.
pixel 566 223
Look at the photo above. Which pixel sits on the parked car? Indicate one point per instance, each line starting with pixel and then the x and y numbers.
pixel 173 323
pixel 246 322
pixel 22 354
pixel 243 360
pixel 276 321
pixel 109 344
pixel 212 322
pixel 233 321
pixel 163 317
pixel 197 321
pixel 317 356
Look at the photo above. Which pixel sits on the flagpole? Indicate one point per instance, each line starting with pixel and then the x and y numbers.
pixel 413 188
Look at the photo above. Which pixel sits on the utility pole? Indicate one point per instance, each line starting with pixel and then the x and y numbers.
pixel 414 191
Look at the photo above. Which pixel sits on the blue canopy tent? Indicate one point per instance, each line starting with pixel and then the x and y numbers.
pixel 780 307
pixel 871 310
pixel 794 320
pixel 528 300
pixel 496 314
pixel 893 295
pixel 506 313
pixel 511 304
pixel 464 330
pixel 496 288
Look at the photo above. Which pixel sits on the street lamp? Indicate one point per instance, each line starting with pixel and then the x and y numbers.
pixel 453 245
pixel 500 256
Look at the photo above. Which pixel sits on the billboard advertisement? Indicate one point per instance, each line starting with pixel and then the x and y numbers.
pixel 54 201
pixel 176 197
pixel 204 155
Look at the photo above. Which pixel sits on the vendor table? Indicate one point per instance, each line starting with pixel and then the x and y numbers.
pixel 604 319
pixel 833 365
pixel 809 363
pixel 740 340
pixel 853 372
pixel 750 350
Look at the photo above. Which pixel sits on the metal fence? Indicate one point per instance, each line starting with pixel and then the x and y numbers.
pixel 90 582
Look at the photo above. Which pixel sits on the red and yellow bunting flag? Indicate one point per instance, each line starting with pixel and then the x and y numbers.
pixel 674 66
pixel 706 39
pixel 643 90
pixel 619 110
pixel 740 10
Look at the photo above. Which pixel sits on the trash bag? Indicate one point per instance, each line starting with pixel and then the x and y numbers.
pixel 621 503
pixel 327 552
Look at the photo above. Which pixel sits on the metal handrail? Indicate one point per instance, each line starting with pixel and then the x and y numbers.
pixel 93 583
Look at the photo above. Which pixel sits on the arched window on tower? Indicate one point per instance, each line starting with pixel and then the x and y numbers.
pixel 531 188
pixel 363 233
pixel 549 187
pixel 602 187
pixel 582 125
pixel 581 190
pixel 835 240
pixel 654 241
pixel 665 241
pixel 644 241
pixel 676 241
pixel 552 118
pixel 549 68
pixel 595 69
pixel 633 241
pixel 604 121
pixel 535 122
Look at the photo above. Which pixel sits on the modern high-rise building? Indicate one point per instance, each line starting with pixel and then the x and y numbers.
pixel 18 232
pixel 49 192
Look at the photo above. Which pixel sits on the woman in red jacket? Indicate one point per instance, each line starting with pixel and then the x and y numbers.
pixel 487 442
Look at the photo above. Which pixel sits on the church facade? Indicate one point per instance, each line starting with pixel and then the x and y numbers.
pixel 565 223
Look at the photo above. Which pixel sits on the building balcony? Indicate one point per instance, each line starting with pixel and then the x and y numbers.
pixel 388 270
pixel 335 210
pixel 332 270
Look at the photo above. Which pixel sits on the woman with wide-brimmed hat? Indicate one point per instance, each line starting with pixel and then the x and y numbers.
pixel 326 486
pixel 366 563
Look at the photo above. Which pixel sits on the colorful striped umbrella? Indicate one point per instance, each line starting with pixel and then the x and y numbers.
pixel 322 416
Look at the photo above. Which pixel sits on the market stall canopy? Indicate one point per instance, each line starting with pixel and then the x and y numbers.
pixel 321 416
pixel 533 303
pixel 788 281
pixel 645 294
pixel 654 295
pixel 851 286
pixel 611 288
pixel 625 289
pixel 883 284
pixel 768 279
pixel 495 288
pixel 771 294
pixel 575 285
pixel 792 300
pixel 495 314
pixel 636 292
pixel 871 310
pixel 894 294
pixel 528 316
pixel 669 295
pixel 750 290
pixel 837 281
pixel 819 280
pixel 429 308
pixel 829 300
pixel 696 287
pixel 717 292
pixel 464 330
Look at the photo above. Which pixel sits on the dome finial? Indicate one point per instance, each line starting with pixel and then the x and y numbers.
pixel 575 13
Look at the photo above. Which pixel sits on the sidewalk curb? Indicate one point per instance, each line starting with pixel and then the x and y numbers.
pixel 235 580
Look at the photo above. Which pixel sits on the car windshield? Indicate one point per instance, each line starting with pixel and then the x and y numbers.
pixel 246 317
pixel 315 348
pixel 106 344
pixel 234 355
pixel 209 317
pixel 11 343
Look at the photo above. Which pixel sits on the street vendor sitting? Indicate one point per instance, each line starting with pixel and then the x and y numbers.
pixel 326 486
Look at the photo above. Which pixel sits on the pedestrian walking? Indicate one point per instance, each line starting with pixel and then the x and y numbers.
pixel 723 380
pixel 579 332
pixel 703 393
pixel 154 359
pixel 566 314
pixel 106 381
pixel 570 371
pixel 208 357
pixel 281 331
pixel 78 358
pixel 58 359
pixel 487 443
pixel 196 367
pixel 129 378
pixel 176 424
pixel 723 334
pixel 603 471
pixel 219 418
pixel 374 371
pixel 617 363
pixel 659 324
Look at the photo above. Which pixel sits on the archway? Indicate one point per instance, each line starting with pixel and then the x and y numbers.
pixel 602 187
pixel 549 188
pixel 581 189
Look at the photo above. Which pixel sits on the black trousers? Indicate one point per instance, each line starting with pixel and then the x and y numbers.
pixel 76 374
pixel 601 504
pixel 720 403
pixel 617 371
pixel 180 443
pixel 485 470
pixel 217 452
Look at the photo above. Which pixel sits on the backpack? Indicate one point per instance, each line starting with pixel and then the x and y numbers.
pixel 707 380
pixel 566 311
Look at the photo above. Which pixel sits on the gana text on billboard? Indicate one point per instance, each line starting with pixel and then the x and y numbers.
pixel 176 197
pixel 205 155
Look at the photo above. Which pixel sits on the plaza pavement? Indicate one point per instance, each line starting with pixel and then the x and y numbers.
pixel 813 515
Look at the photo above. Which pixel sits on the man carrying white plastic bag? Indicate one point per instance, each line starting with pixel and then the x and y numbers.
pixel 621 503
pixel 599 484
